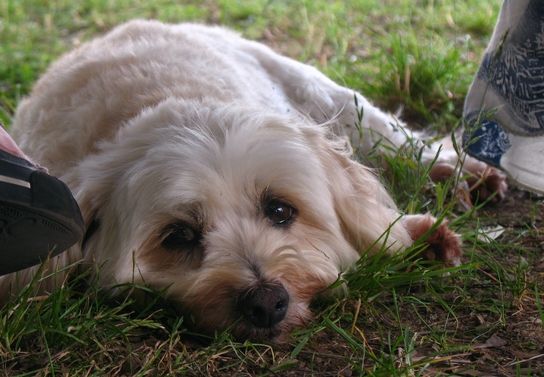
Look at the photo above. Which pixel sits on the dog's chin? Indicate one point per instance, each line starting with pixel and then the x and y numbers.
pixel 276 334
pixel 241 329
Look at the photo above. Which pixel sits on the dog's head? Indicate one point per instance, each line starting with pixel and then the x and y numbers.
pixel 242 217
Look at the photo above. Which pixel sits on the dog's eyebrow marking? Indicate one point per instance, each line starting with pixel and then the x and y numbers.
pixel 195 212
pixel 268 194
pixel 192 214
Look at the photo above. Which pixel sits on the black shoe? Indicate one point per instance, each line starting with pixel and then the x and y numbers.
pixel 39 218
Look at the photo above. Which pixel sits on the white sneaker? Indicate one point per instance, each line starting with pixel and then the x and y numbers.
pixel 504 109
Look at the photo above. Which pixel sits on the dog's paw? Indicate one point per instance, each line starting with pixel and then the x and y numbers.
pixel 442 243
pixel 485 182
pixel 479 181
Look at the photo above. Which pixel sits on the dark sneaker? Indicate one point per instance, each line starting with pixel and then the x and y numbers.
pixel 39 217
pixel 504 109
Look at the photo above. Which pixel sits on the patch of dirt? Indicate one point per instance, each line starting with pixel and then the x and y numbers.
pixel 518 209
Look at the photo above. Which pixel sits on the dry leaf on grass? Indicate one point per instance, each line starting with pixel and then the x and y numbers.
pixel 493 342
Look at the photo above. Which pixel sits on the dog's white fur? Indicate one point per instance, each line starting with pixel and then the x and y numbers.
pixel 154 124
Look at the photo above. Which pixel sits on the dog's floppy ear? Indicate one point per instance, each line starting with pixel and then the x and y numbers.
pixel 89 204
pixel 366 212
pixel 92 183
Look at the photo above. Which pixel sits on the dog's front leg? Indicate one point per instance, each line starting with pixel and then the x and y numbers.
pixel 441 243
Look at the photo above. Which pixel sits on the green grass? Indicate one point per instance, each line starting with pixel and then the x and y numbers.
pixel 400 316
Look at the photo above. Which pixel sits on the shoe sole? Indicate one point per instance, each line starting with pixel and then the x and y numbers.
pixel 39 217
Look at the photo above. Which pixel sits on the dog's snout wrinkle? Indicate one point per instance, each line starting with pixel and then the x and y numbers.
pixel 264 305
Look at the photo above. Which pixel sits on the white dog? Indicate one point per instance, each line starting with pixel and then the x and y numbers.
pixel 209 166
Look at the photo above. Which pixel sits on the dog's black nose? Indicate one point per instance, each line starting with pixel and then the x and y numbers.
pixel 264 305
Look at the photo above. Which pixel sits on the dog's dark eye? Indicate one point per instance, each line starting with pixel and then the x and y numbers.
pixel 280 213
pixel 181 236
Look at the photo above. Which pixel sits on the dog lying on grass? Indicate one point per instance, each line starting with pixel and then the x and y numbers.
pixel 213 168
